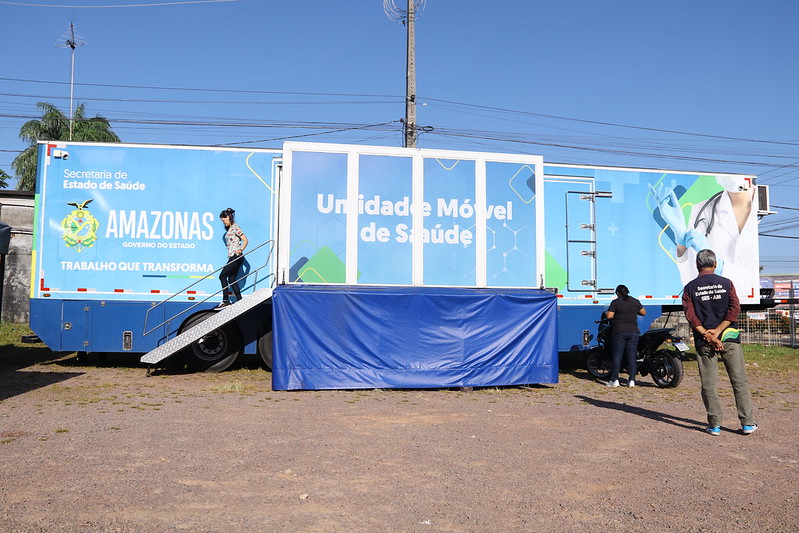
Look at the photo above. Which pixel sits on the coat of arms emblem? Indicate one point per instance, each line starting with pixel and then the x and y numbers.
pixel 80 227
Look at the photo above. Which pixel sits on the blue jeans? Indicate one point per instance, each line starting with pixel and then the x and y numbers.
pixel 624 344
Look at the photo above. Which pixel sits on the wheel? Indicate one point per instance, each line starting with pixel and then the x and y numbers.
pixel 265 349
pixel 597 364
pixel 215 351
pixel 667 369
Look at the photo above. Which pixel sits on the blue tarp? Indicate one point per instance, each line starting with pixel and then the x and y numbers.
pixel 350 337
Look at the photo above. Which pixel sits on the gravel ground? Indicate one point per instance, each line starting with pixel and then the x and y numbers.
pixel 107 448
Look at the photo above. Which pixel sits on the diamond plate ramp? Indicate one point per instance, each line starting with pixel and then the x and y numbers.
pixel 222 317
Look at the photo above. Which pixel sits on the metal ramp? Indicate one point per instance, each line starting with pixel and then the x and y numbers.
pixel 222 317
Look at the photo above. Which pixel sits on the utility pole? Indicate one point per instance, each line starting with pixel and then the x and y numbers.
pixel 71 42
pixel 408 17
pixel 410 79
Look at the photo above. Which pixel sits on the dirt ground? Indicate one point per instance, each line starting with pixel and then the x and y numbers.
pixel 106 448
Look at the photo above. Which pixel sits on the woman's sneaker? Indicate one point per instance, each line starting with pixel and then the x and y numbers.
pixel 714 430
pixel 222 305
pixel 748 430
pixel 614 383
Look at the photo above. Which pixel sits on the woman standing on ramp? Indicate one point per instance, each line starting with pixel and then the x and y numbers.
pixel 236 242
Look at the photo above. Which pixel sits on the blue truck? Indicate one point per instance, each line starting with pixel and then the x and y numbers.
pixel 127 241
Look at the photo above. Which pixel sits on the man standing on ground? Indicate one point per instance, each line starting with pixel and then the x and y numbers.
pixel 712 308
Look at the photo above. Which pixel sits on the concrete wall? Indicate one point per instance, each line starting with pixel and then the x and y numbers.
pixel 677 321
pixel 16 210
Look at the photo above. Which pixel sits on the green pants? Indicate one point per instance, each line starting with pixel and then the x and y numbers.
pixel 733 358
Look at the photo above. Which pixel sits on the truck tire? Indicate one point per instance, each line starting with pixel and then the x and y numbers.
pixel 265 349
pixel 214 352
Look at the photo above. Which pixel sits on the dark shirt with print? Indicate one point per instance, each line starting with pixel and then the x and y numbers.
pixel 708 300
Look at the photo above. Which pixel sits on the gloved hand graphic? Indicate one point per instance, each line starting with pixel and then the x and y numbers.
pixel 670 210
pixel 696 239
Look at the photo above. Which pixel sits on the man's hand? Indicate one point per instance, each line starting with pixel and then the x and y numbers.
pixel 711 336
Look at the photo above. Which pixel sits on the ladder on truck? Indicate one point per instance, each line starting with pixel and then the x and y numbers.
pixel 591 241
pixel 220 318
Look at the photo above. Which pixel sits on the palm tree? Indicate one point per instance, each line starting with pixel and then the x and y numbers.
pixel 4 179
pixel 54 126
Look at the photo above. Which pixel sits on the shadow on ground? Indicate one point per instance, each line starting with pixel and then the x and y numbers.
pixel 685 423
pixel 15 380
pixel 15 358
pixel 573 363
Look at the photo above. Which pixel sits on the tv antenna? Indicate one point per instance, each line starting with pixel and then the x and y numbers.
pixel 71 40
pixel 407 16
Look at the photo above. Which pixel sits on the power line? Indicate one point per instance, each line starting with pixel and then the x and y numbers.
pixel 184 101
pixel 368 126
pixel 340 127
pixel 613 124
pixel 451 102
pixel 604 150
pixel 636 145
pixel 652 144
pixel 157 4
pixel 200 89
pixel 777 236
pixel 590 142
pixel 261 124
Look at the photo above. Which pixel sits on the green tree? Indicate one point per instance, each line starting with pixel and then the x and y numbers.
pixel 4 179
pixel 54 126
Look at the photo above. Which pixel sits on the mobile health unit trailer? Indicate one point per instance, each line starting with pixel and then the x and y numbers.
pixel 343 217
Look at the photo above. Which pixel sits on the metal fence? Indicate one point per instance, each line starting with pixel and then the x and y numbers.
pixel 772 327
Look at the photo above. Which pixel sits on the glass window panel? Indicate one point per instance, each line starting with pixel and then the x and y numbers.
pixel 449 222
pixel 318 218
pixel 384 220
pixel 510 225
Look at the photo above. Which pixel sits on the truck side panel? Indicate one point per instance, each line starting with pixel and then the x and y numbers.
pixel 381 216
pixel 129 226
pixel 605 227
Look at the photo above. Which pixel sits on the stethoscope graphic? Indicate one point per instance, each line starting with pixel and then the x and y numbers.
pixel 712 203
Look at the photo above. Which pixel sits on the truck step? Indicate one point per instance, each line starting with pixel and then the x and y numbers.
pixel 222 317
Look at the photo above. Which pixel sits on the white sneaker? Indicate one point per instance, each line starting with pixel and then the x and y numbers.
pixel 631 383
pixel 614 383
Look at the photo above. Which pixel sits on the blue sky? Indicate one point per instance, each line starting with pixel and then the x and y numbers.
pixel 705 85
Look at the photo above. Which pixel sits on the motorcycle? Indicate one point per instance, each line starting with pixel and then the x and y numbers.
pixel 664 363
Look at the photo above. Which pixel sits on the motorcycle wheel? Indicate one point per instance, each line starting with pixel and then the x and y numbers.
pixel 597 364
pixel 667 369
